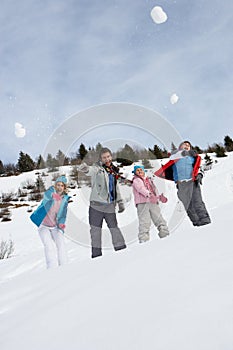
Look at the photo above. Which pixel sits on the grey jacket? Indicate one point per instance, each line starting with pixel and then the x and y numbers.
pixel 99 183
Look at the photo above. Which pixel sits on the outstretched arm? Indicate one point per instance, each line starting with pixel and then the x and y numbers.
pixel 88 170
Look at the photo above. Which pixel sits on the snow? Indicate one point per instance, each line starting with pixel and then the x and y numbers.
pixel 174 98
pixel 20 131
pixel 158 15
pixel 174 293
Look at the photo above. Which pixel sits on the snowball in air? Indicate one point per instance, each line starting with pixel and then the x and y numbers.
pixel 174 99
pixel 20 131
pixel 158 15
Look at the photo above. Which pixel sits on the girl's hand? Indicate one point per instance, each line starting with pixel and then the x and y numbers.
pixel 62 226
pixel 162 198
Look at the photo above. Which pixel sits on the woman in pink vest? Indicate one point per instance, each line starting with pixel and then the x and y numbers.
pixel 50 219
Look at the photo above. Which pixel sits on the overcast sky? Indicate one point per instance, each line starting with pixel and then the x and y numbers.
pixel 61 57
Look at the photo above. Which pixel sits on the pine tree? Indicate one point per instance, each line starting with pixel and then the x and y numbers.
pixel 173 147
pixel 126 155
pixel 210 149
pixel 60 157
pixel 146 163
pixel 10 169
pixel 40 163
pixel 39 184
pixel 82 151
pixel 157 151
pixel 66 161
pixel 165 153
pixel 228 143
pixel 25 162
pixel 220 151
pixel 198 149
pixel 208 160
pixel 51 163
pixel 1 167
pixel 98 148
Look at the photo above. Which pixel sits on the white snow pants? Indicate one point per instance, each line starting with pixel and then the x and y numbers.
pixel 146 213
pixel 54 246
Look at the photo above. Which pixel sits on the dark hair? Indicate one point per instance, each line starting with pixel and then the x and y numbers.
pixel 104 150
pixel 185 142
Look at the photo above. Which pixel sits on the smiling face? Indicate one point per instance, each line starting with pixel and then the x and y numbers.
pixel 140 172
pixel 106 158
pixel 185 146
pixel 59 187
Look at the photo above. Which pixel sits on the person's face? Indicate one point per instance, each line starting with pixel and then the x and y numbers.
pixel 59 187
pixel 140 172
pixel 186 146
pixel 106 158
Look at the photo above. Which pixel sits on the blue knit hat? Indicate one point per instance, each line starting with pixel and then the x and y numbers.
pixel 138 167
pixel 61 179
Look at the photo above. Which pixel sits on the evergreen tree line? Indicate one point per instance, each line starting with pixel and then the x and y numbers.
pixel 125 156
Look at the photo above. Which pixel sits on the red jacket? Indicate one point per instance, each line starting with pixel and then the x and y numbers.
pixel 166 171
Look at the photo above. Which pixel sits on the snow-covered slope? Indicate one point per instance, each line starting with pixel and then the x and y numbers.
pixel 168 294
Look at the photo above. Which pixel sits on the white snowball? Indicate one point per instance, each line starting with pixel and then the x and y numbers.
pixel 174 99
pixel 20 131
pixel 158 15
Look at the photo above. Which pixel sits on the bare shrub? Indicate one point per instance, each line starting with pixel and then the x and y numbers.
pixel 5 214
pixel 6 249
pixel 35 197
pixel 7 197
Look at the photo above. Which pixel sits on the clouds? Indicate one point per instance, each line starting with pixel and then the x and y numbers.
pixel 73 54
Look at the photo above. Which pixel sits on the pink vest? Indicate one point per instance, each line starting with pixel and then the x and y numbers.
pixel 51 218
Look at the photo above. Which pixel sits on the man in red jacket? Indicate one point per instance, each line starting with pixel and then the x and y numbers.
pixel 184 168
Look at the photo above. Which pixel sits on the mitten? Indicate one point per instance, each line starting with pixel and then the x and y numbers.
pixel 162 198
pixel 62 226
pixel 121 207
pixel 185 153
pixel 199 179
pixel 83 167
pixel 192 153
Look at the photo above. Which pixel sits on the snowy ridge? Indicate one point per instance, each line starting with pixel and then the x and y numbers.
pixel 174 293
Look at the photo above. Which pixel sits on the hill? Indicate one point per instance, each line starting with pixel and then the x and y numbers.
pixel 174 293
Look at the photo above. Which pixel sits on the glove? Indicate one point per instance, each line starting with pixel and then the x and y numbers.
pixel 185 153
pixel 121 207
pixel 199 179
pixel 83 167
pixel 192 153
pixel 162 198
pixel 62 226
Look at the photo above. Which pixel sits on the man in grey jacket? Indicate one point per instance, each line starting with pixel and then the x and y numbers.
pixel 104 196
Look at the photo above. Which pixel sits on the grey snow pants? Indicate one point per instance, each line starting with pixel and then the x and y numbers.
pixel 189 193
pixel 97 213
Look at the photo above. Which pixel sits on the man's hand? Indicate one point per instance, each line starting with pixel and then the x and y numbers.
pixel 83 168
pixel 185 153
pixel 121 207
pixel 192 153
pixel 199 179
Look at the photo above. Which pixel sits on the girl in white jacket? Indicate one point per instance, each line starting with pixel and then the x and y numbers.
pixel 50 218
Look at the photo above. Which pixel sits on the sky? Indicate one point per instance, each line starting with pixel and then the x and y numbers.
pixel 60 58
